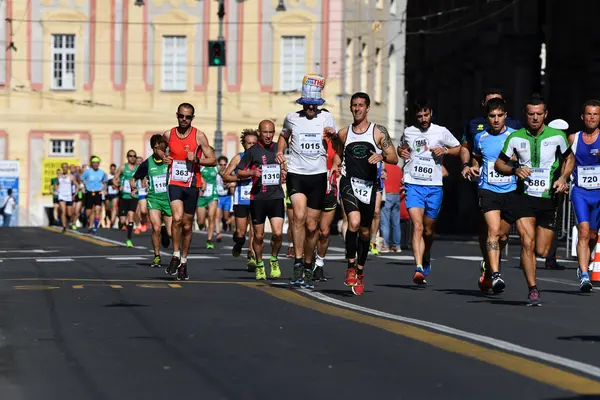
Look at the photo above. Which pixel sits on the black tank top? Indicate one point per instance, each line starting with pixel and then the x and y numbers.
pixel 357 150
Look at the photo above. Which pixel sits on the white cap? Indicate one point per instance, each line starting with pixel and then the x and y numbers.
pixel 559 124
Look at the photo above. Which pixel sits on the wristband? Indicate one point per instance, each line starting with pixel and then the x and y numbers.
pixel 445 150
pixel 465 165
pixel 514 170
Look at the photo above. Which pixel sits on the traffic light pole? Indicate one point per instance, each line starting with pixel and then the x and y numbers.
pixel 219 132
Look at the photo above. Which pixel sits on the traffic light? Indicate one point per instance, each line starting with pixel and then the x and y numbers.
pixel 216 53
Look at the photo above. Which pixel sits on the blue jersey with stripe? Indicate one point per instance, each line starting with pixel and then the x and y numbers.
pixel 238 199
pixel 586 155
pixel 488 146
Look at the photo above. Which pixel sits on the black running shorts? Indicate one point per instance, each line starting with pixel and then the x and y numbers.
pixel 127 205
pixel 351 203
pixel 241 210
pixel 503 202
pixel 188 195
pixel 313 187
pixel 93 199
pixel 330 202
pixel 260 210
pixel 543 210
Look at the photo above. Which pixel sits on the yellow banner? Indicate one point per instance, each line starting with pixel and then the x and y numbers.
pixel 50 166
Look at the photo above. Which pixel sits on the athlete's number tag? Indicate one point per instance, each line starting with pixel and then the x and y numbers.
pixel 588 177
pixel 142 191
pixel 362 189
pixel 423 168
pixel 180 172
pixel 245 191
pixel 494 176
pixel 126 186
pixel 310 144
pixel 160 183
pixel 271 174
pixel 539 180
pixel 208 191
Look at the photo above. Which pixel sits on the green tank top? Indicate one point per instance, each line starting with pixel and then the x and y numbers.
pixel 157 175
pixel 209 175
pixel 126 177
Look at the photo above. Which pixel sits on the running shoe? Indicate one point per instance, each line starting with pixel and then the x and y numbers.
pixel 164 237
pixel 64 230
pixel 129 243
pixel 585 286
pixel 275 271
pixel 155 262
pixel 533 298
pixel 374 250
pixel 290 253
pixel 260 273
pixel 485 279
pixel 319 274
pixel 172 268
pixel 137 230
pixel 419 276
pixel 426 265
pixel 308 279
pixel 359 288
pixel 182 274
pixel 237 249
pixel 297 274
pixel 498 284
pixel 143 228
pixel 251 265
pixel 219 238
pixel 209 245
pixel 351 278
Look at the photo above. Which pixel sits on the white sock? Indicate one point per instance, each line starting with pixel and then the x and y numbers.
pixel 319 261
pixel 183 260
pixel 176 254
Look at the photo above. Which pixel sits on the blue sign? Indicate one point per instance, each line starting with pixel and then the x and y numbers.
pixel 9 179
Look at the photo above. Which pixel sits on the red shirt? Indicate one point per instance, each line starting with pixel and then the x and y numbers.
pixel 181 173
pixel 394 177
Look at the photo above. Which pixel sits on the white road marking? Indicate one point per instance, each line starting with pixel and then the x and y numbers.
pixel 37 251
pixel 127 258
pixel 587 369
pixel 200 257
pixel 40 258
pixel 54 259
pixel 399 258
pixel 561 281
pixel 466 258
pixel 558 259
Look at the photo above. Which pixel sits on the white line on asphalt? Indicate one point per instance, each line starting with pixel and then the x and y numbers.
pixel 399 258
pixel 126 258
pixel 53 259
pixel 561 281
pixel 200 257
pixel 37 251
pixel 74 257
pixel 486 340
pixel 559 260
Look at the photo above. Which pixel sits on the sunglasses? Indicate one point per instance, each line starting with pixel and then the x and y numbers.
pixel 187 117
pixel 131 155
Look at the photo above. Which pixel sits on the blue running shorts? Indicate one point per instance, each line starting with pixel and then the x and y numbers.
pixel 426 197
pixel 586 204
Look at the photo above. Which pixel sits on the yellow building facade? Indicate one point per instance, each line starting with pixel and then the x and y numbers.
pixel 99 77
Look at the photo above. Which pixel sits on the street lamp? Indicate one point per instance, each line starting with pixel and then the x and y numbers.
pixel 280 6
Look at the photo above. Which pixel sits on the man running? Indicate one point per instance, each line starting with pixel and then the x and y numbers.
pixel 157 197
pixel 307 171
pixel 95 184
pixel 496 192
pixel 189 150
pixel 111 205
pixel 266 196
pixel 128 202
pixel 362 146
pixel 539 150
pixel 207 203
pixel 423 147
pixel 241 200
pixel 64 195
pixel 586 188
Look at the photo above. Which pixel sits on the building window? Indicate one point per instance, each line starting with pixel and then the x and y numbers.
pixel 393 7
pixel 174 64
pixel 63 62
pixel 379 4
pixel 364 74
pixel 62 147
pixel 377 77
pixel 348 66
pixel 293 62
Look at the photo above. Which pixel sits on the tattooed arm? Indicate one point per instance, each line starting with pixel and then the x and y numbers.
pixel 383 140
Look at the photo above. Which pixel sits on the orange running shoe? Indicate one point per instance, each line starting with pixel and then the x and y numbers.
pixel 419 276
pixel 359 288
pixel 144 228
pixel 137 231
pixel 351 278
pixel 485 279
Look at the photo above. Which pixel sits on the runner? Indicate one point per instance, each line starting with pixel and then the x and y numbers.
pixel 141 212
pixel 94 180
pixel 377 216
pixel 241 200
pixel 111 204
pixel 64 195
pixel 127 203
pixel 224 204
pixel 496 193
pixel 423 147
pixel 55 202
pixel 586 188
pixel 362 146
pixel 266 197
pixel 208 201
pixel 159 209
pixel 189 150
pixel 290 218
pixel 539 150
pixel 307 177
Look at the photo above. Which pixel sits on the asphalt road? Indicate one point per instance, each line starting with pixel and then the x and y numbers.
pixel 86 318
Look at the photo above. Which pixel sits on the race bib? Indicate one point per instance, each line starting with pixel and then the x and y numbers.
pixel 310 144
pixel 495 177
pixel 538 181
pixel 126 186
pixel 208 191
pixel 160 183
pixel 362 189
pixel 179 171
pixel 142 191
pixel 271 174
pixel 245 191
pixel 588 177
pixel 423 168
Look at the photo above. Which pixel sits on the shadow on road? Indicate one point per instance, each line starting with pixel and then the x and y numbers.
pixel 581 338
pixel 501 302
pixel 398 286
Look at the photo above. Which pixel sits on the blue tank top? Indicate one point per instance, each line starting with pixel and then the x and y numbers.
pixel 241 195
pixel 587 157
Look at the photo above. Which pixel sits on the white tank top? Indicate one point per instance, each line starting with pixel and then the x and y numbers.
pixel 110 188
pixel 65 190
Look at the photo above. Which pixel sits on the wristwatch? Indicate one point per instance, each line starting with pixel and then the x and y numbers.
pixel 514 170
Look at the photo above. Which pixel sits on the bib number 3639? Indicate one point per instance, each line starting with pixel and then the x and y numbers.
pixel 271 174
pixel 310 144
pixel 539 180
pixel 588 177
pixel 362 189
pixel 179 171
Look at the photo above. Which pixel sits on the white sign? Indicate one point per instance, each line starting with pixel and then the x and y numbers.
pixel 9 169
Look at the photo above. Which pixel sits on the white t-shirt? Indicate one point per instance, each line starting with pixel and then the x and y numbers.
pixel 422 169
pixel 9 205
pixel 307 155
